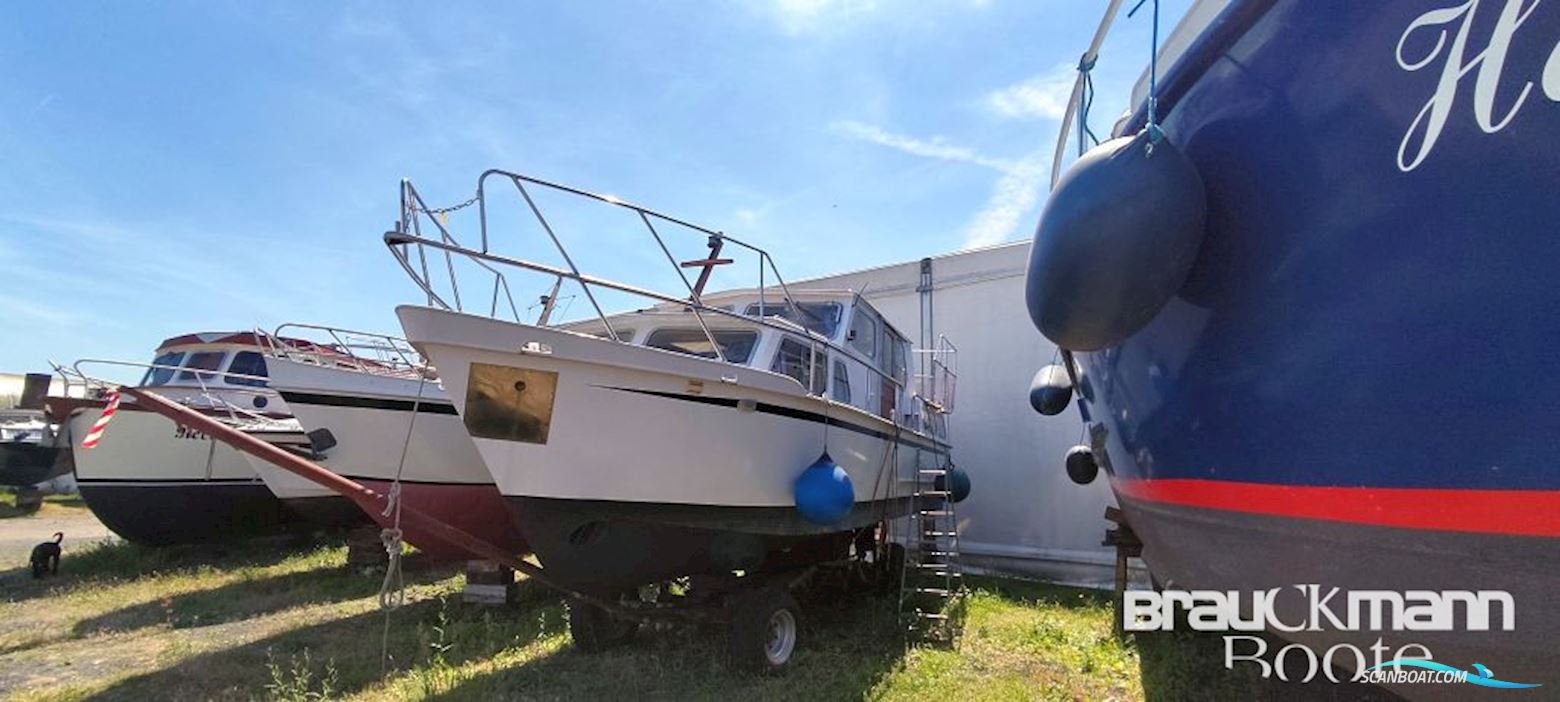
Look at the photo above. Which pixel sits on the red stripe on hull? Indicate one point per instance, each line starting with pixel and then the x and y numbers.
pixel 478 510
pixel 1514 512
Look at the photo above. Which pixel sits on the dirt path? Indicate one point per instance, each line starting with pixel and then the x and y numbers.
pixel 19 534
pixel 84 661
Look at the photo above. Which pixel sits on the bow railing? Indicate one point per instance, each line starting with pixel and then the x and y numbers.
pixel 423 238
pixel 350 349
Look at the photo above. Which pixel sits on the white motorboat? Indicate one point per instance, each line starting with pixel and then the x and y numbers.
pixel 708 435
pixel 377 415
pixel 32 449
pixel 156 482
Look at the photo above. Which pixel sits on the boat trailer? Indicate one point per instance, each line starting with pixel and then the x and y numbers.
pixel 744 608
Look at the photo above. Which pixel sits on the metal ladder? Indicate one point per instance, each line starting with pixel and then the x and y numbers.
pixel 932 580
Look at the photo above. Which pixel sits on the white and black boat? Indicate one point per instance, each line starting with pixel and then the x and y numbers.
pixel 156 482
pixel 704 436
pixel 32 449
pixel 377 415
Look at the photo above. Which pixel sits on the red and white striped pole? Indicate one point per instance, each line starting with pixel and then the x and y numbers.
pixel 95 434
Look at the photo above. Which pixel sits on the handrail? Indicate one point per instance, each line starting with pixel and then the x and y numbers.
pixel 408 232
pixel 942 375
pixel 406 360
pixel 645 215
pixel 412 224
pixel 1085 64
pixel 394 239
pixel 205 392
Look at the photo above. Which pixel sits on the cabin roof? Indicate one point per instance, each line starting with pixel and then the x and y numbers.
pixel 259 340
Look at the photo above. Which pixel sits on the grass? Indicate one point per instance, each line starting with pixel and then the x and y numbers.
pixel 292 622
pixel 52 505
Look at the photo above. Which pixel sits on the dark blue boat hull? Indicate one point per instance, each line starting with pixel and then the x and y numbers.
pixel 1357 384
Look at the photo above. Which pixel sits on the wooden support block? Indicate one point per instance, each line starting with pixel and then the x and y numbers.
pixel 1120 599
pixel 1127 546
pixel 365 550
pixel 476 593
pixel 29 500
pixel 494 583
pixel 527 591
pixel 489 573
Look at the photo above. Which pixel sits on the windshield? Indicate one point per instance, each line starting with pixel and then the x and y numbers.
pixel 202 360
pixel 246 363
pixel 820 317
pixel 161 376
pixel 736 346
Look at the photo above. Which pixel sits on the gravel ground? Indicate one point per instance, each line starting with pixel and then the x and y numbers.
pixel 18 535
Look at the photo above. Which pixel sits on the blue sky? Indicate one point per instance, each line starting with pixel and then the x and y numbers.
pixel 175 167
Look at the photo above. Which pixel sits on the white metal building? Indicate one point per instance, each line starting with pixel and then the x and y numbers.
pixel 1024 516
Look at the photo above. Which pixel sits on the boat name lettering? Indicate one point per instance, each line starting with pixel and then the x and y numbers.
pixel 1447 30
pixel 182 431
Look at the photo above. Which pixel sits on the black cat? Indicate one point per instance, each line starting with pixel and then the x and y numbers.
pixel 46 557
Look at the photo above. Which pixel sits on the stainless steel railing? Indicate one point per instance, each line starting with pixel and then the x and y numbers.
pixel 365 352
pixel 411 247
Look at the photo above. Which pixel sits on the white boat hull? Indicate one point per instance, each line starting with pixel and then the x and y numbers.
pixel 654 464
pixel 374 418
pixel 156 482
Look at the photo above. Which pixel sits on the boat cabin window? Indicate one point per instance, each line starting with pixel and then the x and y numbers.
pixel 202 360
pixel 841 382
pixel 898 355
pixel 161 376
pixel 820 317
pixel 623 335
pixel 863 332
pixel 246 363
pixel 795 359
pixel 736 346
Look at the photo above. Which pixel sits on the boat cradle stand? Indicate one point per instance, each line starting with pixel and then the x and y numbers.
pixel 1127 546
pixel 29 499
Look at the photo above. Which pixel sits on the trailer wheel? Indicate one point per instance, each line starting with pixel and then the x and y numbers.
pixel 595 629
pixel 764 630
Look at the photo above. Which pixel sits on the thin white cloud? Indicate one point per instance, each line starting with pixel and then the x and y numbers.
pixel 807 16
pixel 94 250
pixel 21 309
pixel 1044 96
pixel 1014 194
pixel 812 17
pixel 747 216
pixel 936 147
